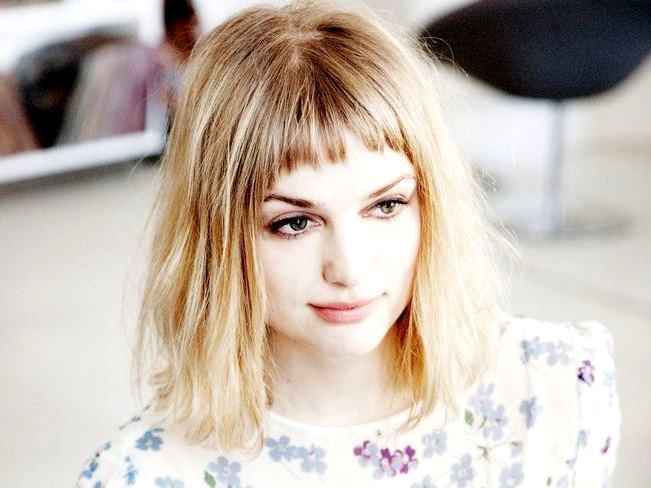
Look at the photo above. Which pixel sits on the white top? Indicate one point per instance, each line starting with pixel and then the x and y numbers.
pixel 546 414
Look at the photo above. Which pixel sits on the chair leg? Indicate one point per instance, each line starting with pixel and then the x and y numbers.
pixel 552 205
pixel 553 219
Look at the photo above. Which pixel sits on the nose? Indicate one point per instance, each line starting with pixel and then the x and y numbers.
pixel 343 256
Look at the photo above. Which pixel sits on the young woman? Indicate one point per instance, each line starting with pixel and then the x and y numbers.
pixel 324 305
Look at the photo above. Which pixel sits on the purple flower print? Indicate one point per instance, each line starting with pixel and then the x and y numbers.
pixel 385 462
pixel 385 465
pixel 149 441
pixel 367 452
pixel 481 402
pixel 403 461
pixel 312 458
pixel 586 372
pixel 513 476
pixel 435 442
pixel 280 449
pixel 226 471
pixel 604 449
pixel 530 409
pixel 495 421
pixel 462 472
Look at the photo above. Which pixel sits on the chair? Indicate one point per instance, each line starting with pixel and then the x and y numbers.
pixel 557 50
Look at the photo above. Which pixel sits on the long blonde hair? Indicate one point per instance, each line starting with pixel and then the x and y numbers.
pixel 268 90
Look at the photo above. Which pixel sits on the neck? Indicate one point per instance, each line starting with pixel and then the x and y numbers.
pixel 324 390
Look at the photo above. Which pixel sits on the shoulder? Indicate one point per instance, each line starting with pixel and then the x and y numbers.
pixel 137 450
pixel 554 383
pixel 547 356
pixel 553 341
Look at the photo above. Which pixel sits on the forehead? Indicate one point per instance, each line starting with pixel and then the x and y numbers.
pixel 360 172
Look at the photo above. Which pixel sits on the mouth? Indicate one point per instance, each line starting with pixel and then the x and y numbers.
pixel 343 305
pixel 344 312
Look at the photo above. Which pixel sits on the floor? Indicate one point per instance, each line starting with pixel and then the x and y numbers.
pixel 71 256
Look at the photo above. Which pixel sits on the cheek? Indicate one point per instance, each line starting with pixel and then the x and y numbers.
pixel 287 269
pixel 399 249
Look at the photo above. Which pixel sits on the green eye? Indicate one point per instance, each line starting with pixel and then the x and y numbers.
pixel 391 207
pixel 388 207
pixel 297 223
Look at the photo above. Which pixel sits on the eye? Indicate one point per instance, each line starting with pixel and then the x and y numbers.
pixel 390 207
pixel 295 226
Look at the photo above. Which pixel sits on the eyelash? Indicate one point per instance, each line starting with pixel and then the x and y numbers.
pixel 275 226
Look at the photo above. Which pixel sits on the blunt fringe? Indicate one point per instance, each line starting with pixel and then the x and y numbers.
pixel 268 90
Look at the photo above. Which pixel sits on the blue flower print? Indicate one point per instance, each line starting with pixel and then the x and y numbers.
pixel 131 472
pixel 531 409
pixel 495 421
pixel 386 462
pixel 403 461
pixel 150 441
pixel 92 467
pixel 462 472
pixel 312 458
pixel 368 452
pixel 610 382
pixel 516 448
pixel 435 443
pixel 560 482
pixel 133 419
pixel 226 471
pixel 563 482
pixel 582 438
pixel 385 465
pixel 98 484
pixel 558 352
pixel 426 483
pixel 481 402
pixel 280 449
pixel 531 349
pixel 513 476
pixel 168 482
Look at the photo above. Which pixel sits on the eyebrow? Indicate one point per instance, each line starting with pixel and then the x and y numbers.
pixel 298 202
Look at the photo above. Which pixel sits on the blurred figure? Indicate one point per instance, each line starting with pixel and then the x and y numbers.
pixel 97 85
pixel 182 30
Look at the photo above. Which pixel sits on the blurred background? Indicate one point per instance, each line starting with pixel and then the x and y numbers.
pixel 549 101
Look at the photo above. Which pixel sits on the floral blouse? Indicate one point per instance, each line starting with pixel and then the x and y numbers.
pixel 546 414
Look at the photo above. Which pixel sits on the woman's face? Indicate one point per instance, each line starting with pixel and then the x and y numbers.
pixel 336 236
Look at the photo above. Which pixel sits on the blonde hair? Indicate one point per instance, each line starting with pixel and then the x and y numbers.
pixel 268 90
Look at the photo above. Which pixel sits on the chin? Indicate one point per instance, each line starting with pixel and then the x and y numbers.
pixel 352 340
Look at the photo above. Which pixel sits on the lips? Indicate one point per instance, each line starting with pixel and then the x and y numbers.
pixel 343 305
pixel 344 312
